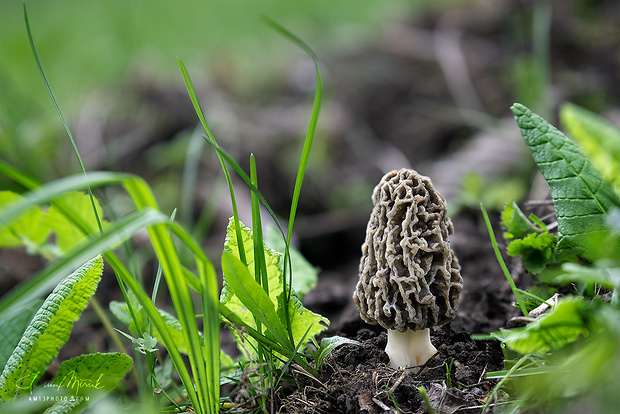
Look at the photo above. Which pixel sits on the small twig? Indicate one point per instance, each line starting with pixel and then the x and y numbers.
pixel 305 373
pixel 398 381
pixel 383 406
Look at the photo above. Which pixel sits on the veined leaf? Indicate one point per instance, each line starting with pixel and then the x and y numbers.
pixel 597 136
pixel 580 195
pixel 562 325
pixel 251 296
pixel 49 329
pixel 305 275
pixel 303 321
pixel 90 372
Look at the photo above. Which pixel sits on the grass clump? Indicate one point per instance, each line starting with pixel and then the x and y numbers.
pixel 68 227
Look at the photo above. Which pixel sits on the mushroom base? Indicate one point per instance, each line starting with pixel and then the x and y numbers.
pixel 409 349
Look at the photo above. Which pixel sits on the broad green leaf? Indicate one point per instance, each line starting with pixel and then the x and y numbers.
pixel 597 136
pixel 49 329
pixel 580 195
pixel 272 261
pixel 304 323
pixel 251 295
pixel 27 230
pixel 67 234
pixel 564 324
pixel 90 372
pixel 606 277
pixel 305 275
pixel 537 250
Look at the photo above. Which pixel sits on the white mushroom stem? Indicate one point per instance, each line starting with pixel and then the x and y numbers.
pixel 409 349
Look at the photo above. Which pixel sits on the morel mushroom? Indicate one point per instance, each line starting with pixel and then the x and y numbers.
pixel 409 276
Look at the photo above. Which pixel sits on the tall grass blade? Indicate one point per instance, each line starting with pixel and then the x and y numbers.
pixel 502 264
pixel 62 118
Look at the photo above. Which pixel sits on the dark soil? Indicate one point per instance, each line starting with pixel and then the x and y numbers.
pixel 358 379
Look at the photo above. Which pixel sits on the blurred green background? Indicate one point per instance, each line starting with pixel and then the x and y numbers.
pixel 423 84
pixel 89 46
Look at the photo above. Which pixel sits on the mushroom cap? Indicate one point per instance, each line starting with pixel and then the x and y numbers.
pixel 409 275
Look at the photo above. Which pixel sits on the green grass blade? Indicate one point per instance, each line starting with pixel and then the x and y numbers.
pixel 500 384
pixel 581 196
pixel 44 281
pixel 205 397
pixel 212 141
pixel 260 267
pixel 52 190
pixel 253 297
pixel 502 264
pixel 316 108
pixel 303 162
pixel 62 118
pixel 17 176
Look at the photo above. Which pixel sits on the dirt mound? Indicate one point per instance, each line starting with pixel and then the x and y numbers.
pixel 358 379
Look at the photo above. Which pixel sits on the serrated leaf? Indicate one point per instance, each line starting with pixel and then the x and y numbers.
pixel 514 222
pixel 251 296
pixel 580 195
pixel 597 136
pixel 49 329
pixel 536 249
pixel 64 406
pixel 67 234
pixel 304 323
pixel 563 325
pixel 27 230
pixel 305 275
pixel 90 372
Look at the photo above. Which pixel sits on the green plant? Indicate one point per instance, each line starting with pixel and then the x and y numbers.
pixel 258 299
pixel 34 343
pixel 570 355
